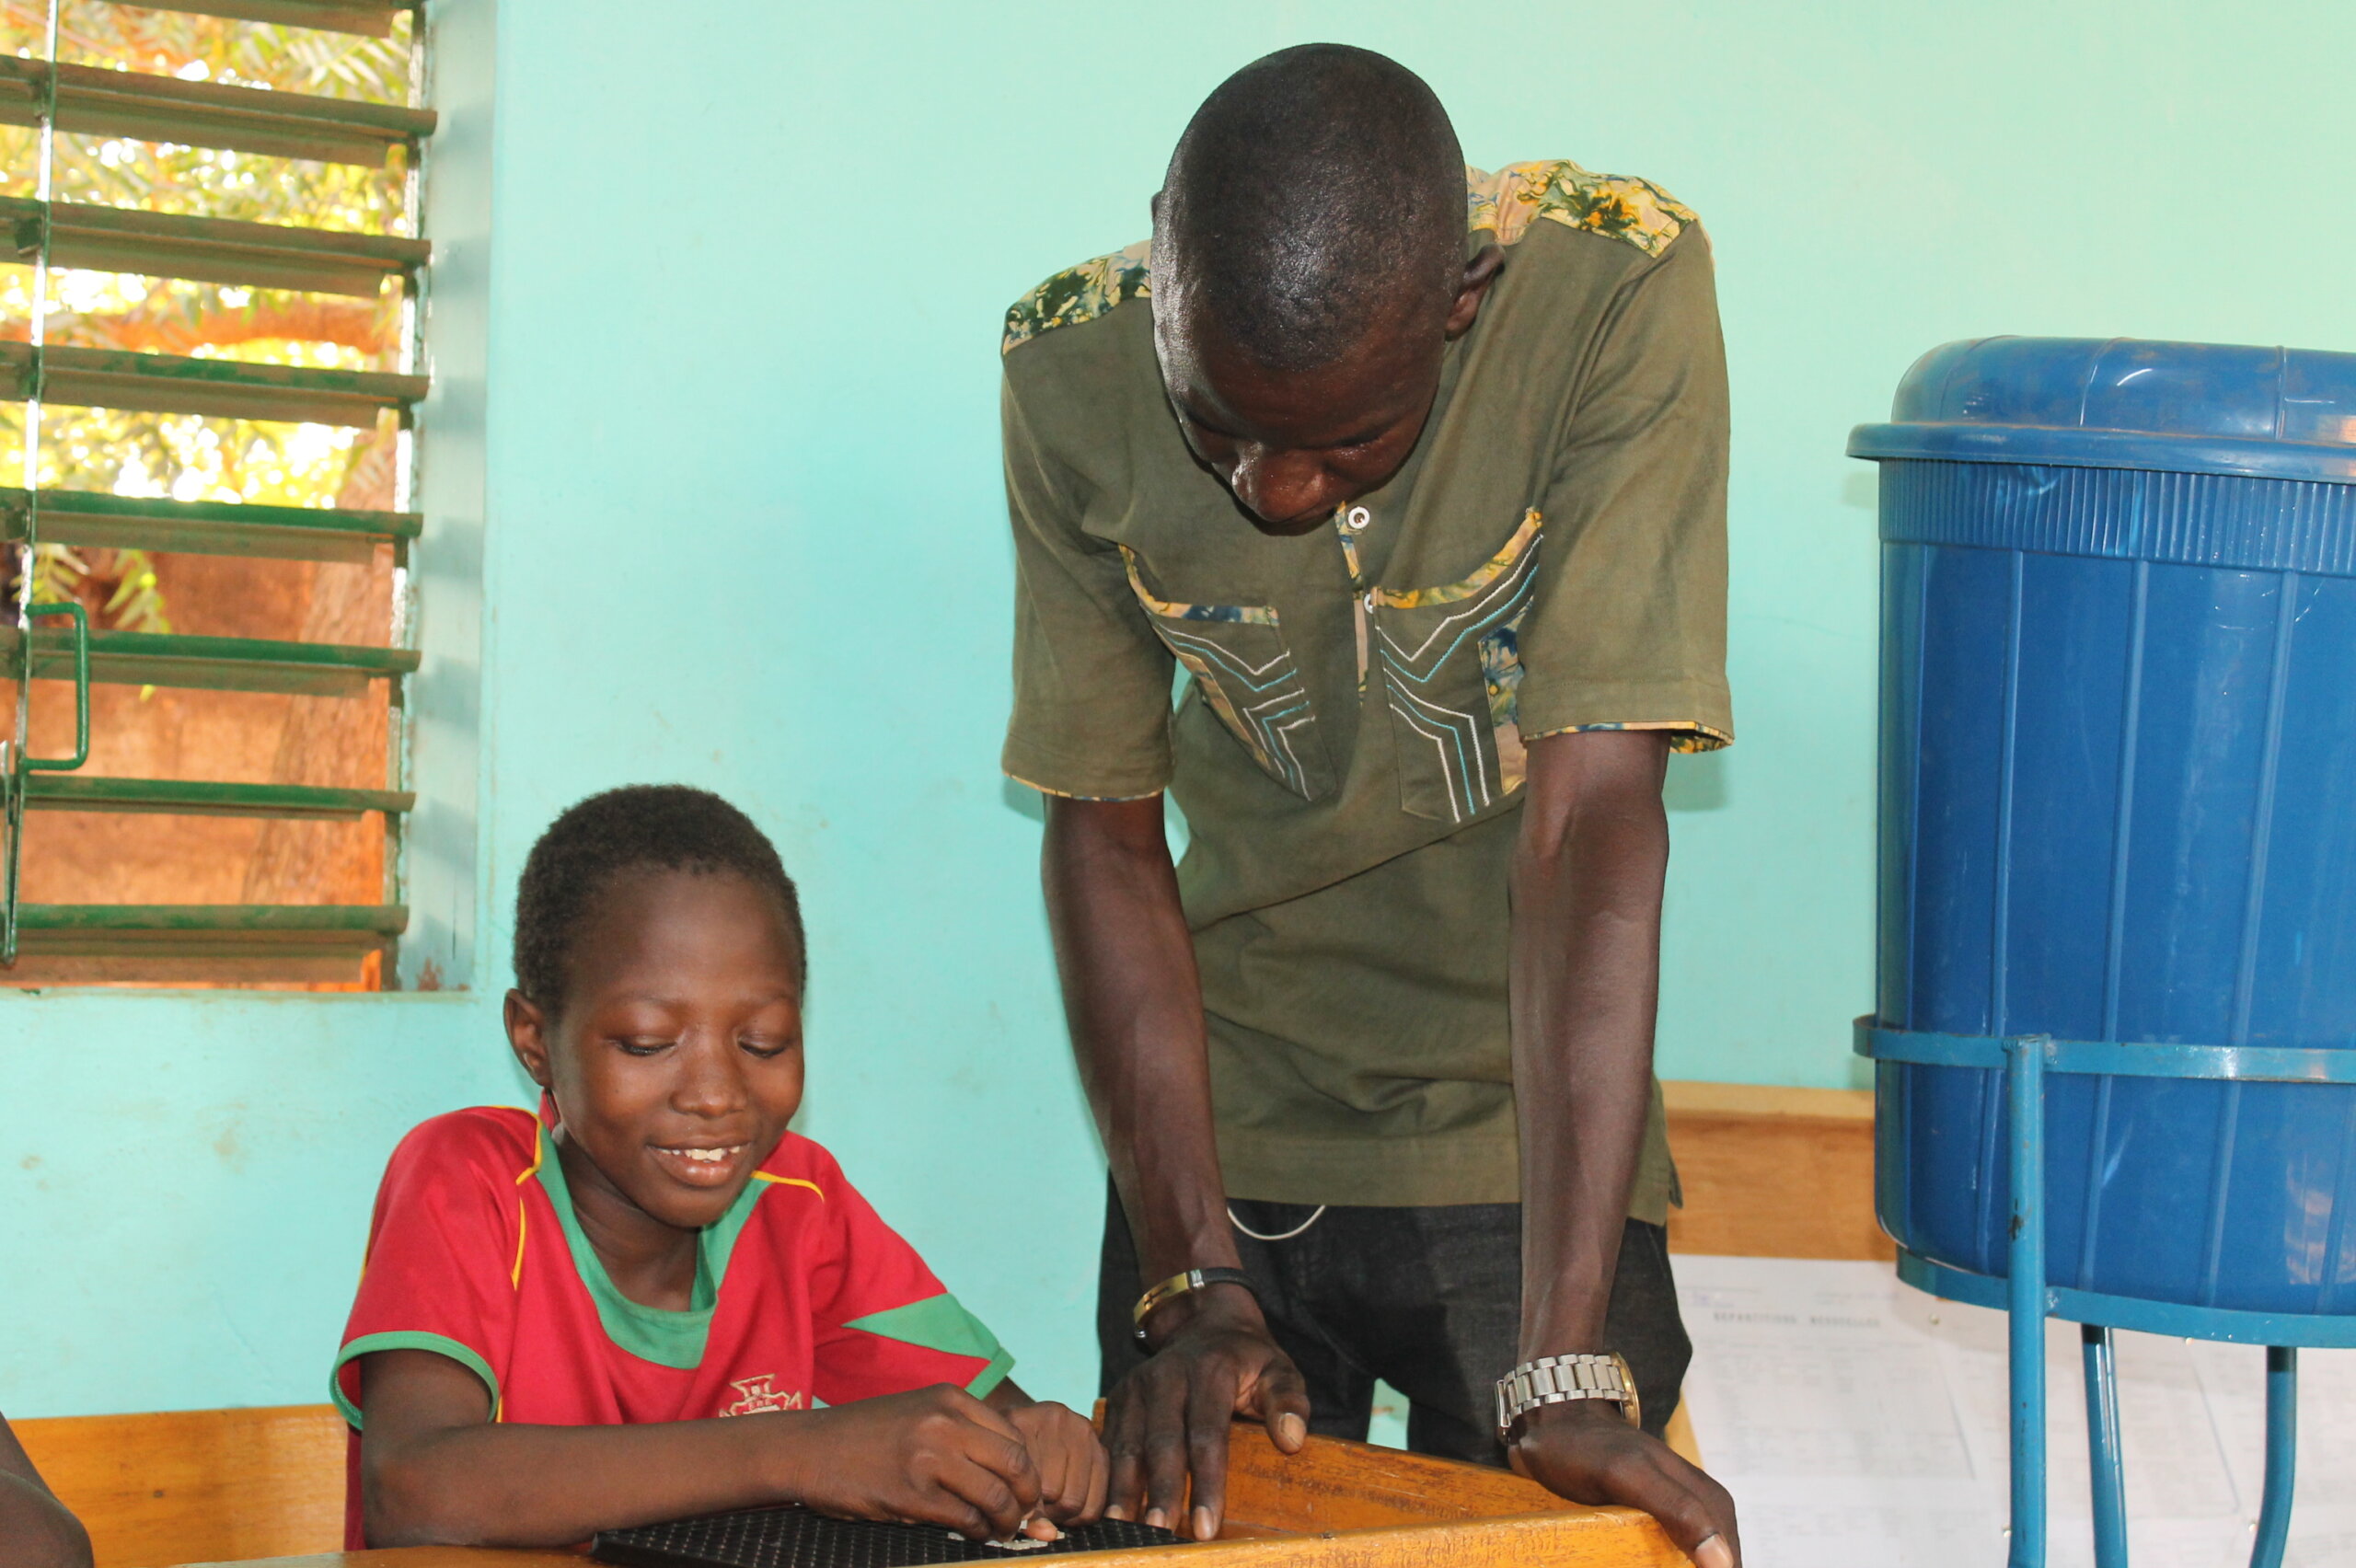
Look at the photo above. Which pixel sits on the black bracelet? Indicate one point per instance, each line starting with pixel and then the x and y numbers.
pixel 1179 1285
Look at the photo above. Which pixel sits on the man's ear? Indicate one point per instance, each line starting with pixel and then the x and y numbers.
pixel 528 1036
pixel 1472 287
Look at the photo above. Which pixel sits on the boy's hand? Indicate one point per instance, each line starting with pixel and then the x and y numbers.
pixel 1072 1466
pixel 936 1456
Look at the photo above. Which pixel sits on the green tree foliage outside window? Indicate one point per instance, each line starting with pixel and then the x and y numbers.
pixel 180 457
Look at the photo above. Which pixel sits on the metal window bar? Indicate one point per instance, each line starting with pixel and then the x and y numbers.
pixel 92 101
pixel 219 388
pixel 209 250
pixel 13 776
pixel 374 18
pixel 194 941
pixel 204 527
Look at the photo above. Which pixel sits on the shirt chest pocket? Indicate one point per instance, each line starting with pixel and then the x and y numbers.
pixel 1246 674
pixel 1447 665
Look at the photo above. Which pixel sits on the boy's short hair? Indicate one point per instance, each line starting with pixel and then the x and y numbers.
pixel 661 827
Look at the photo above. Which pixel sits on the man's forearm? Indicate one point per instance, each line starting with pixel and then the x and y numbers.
pixel 1585 981
pixel 1135 1005
pixel 36 1529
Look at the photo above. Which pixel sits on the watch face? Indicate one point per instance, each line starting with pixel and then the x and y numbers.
pixel 1628 1405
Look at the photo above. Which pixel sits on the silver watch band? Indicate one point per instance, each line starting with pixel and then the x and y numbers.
pixel 1557 1379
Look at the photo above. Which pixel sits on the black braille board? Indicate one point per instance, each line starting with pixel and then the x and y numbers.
pixel 796 1538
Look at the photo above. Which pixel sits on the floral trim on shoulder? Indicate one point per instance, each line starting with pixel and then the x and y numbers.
pixel 1079 294
pixel 1614 205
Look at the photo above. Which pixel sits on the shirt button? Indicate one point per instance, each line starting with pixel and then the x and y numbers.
pixel 1357 519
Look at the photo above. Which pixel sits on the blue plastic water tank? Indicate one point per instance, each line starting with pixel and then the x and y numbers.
pixel 2119 801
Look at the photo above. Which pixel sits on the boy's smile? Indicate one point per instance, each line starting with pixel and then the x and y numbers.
pixel 701 1165
pixel 675 1064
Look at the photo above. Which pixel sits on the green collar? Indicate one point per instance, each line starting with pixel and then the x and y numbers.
pixel 652 1334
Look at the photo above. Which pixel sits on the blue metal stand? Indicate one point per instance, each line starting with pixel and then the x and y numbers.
pixel 2281 1455
pixel 2026 1294
pixel 2102 1449
pixel 2025 1077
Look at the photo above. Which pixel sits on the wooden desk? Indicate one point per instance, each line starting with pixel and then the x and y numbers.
pixel 415 1557
pixel 1334 1504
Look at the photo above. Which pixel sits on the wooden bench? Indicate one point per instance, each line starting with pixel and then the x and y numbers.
pixel 197 1485
pixel 1767 1172
pixel 1774 1172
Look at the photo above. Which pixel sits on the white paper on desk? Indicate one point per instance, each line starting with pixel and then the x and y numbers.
pixel 1861 1423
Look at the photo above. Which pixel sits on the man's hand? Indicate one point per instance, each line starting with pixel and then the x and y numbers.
pixel 936 1456
pixel 1170 1417
pixel 1072 1466
pixel 1134 1003
pixel 1587 1453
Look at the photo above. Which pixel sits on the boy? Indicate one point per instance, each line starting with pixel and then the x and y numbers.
pixel 652 1300
pixel 36 1529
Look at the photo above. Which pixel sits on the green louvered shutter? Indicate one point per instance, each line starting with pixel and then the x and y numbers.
pixel 71 107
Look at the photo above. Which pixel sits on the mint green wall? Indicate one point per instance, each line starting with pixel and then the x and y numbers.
pixel 744 275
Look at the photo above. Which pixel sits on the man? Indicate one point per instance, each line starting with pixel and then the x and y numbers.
pixel 1435 520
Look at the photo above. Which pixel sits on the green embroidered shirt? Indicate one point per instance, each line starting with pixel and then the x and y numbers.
pixel 1349 750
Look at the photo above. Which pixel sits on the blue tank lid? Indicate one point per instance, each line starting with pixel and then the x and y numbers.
pixel 2125 403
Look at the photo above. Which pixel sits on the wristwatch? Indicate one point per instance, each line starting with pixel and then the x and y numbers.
pixel 1555 1379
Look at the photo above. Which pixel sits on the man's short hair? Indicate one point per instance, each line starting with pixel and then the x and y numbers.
pixel 1317 192
pixel 658 827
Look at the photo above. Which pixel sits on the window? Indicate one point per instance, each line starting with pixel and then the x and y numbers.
pixel 210 349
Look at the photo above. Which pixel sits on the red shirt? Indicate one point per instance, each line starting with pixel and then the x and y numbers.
pixel 803 1295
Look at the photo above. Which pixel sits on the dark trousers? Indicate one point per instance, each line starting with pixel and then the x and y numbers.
pixel 1427 1299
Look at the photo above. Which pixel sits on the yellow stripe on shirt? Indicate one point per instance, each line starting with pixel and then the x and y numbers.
pixel 523 1209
